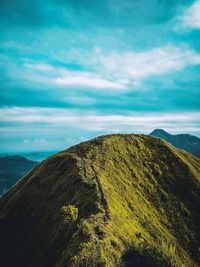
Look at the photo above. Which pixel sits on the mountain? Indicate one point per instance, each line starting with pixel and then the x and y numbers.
pixel 116 200
pixel 12 168
pixel 187 142
pixel 36 156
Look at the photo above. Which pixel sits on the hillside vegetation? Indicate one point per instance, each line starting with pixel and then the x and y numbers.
pixel 118 200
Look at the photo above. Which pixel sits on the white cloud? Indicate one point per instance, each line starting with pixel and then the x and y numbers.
pixel 191 17
pixel 46 74
pixel 139 122
pixel 119 70
pixel 136 66
pixel 39 66
pixel 87 80
pixel 36 141
pixel 107 71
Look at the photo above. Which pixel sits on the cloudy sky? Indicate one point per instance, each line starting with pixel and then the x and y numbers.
pixel 72 70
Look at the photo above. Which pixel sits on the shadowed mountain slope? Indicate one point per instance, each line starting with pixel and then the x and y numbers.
pixel 187 142
pixel 118 200
pixel 12 168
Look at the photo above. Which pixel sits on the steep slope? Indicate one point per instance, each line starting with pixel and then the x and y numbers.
pixel 137 199
pixel 189 143
pixel 12 168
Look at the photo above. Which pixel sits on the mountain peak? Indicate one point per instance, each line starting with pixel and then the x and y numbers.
pixel 86 205
pixel 188 142
pixel 159 131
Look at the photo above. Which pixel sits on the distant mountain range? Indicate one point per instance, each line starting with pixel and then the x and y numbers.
pixel 33 156
pixel 187 142
pixel 116 200
pixel 12 168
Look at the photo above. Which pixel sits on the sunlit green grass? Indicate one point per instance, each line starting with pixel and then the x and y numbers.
pixel 133 195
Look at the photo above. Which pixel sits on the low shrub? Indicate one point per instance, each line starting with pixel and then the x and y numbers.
pixel 69 213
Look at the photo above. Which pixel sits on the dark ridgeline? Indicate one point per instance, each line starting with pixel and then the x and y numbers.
pixel 187 142
pixel 12 168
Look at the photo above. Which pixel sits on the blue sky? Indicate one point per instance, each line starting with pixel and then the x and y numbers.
pixel 72 70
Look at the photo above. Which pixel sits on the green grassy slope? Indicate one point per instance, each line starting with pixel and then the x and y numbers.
pixel 138 202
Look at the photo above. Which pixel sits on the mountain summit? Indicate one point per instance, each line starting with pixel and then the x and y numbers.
pixel 117 200
pixel 187 142
pixel 160 132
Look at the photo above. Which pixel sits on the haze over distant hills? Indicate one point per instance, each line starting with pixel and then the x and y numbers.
pixel 12 168
pixel 38 156
pixel 117 200
pixel 187 142
pixel 33 156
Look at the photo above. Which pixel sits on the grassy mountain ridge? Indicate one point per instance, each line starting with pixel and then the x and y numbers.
pixel 138 205
pixel 188 142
